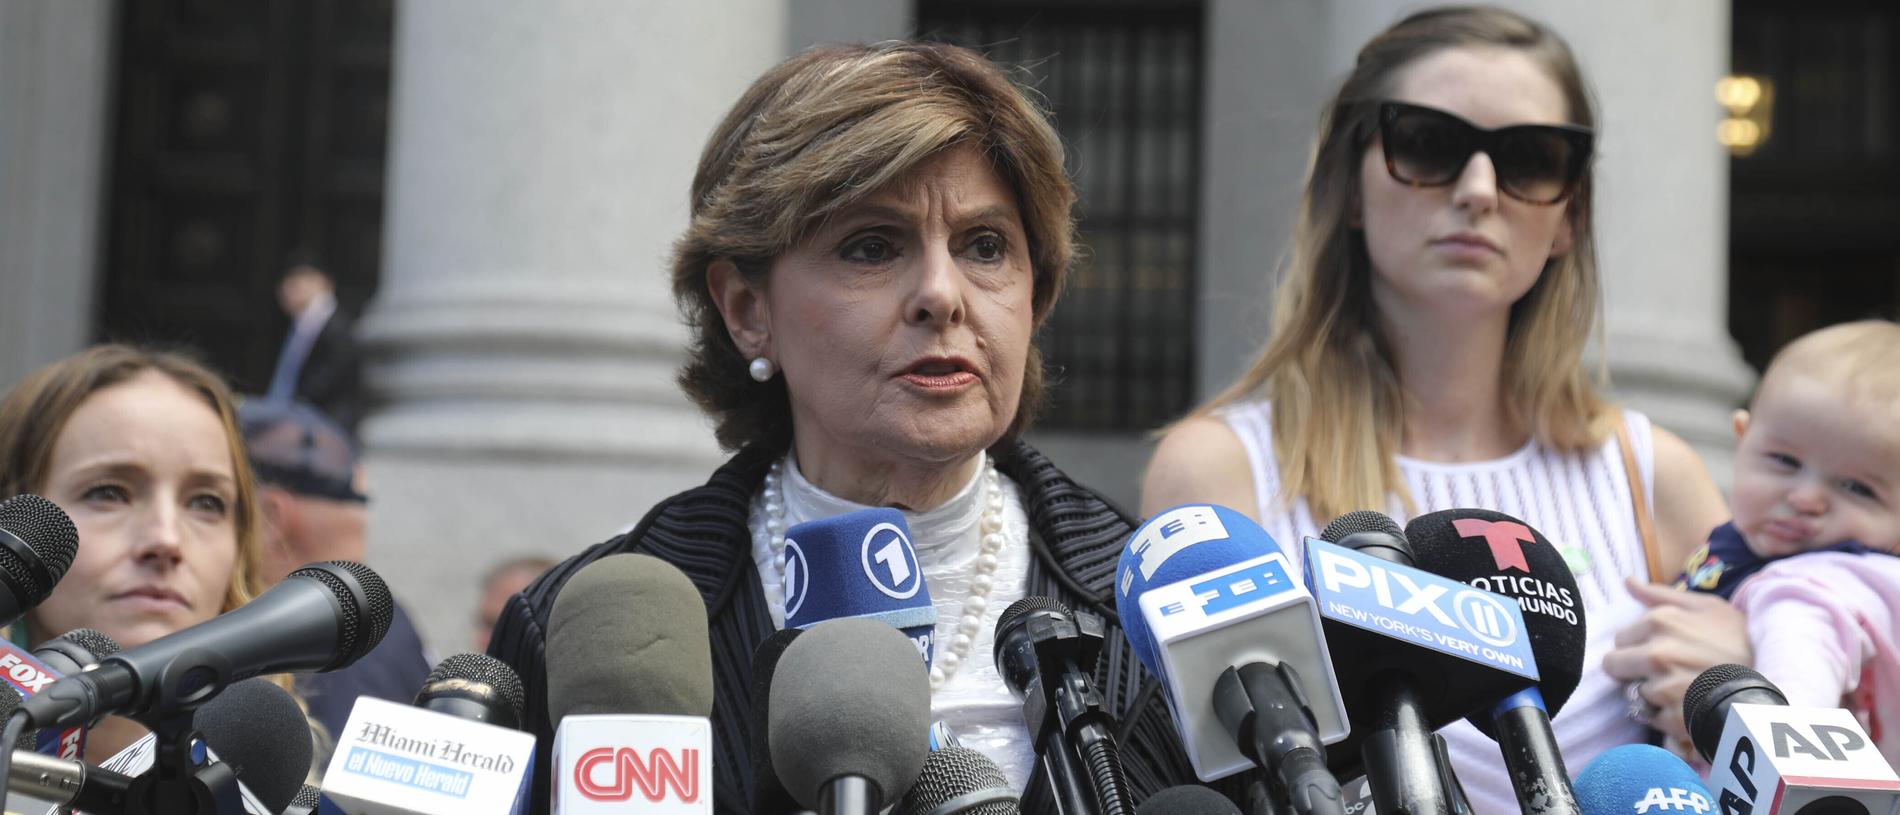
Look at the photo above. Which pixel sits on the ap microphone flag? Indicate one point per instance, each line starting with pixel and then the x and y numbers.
pixel 860 564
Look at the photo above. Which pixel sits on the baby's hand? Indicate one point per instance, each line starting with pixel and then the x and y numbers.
pixel 1680 636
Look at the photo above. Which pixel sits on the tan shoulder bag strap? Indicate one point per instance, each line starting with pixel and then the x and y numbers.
pixel 1645 524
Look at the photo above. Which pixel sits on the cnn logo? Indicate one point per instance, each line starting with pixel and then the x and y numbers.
pixel 613 773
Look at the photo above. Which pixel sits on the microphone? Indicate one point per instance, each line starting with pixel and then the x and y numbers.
pixel 75 650
pixel 321 617
pixel 1208 604
pixel 630 685
pixel 859 565
pixel 1501 554
pixel 1047 656
pixel 768 794
pixel 850 708
pixel 960 781
pixel 1767 758
pixel 455 750
pixel 1187 799
pixel 1412 651
pixel 37 545
pixel 1641 779
pixel 476 687
pixel 305 803
pixel 28 673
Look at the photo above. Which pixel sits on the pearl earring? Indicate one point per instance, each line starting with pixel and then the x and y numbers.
pixel 761 369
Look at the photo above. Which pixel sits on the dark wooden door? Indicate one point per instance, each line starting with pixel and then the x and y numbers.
pixel 243 130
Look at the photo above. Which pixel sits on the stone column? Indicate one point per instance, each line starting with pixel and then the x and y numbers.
pixel 55 70
pixel 525 338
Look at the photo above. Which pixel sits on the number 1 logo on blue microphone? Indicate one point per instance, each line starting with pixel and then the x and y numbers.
pixel 890 562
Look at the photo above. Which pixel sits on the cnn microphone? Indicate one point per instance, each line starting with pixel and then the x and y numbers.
pixel 630 686
pixel 1501 554
pixel 960 781
pixel 768 794
pixel 850 709
pixel 1641 779
pixel 1209 605
pixel 321 617
pixel 1412 651
pixel 37 545
pixel 1767 758
pixel 1187 799
pixel 455 750
pixel 1046 655
pixel 859 565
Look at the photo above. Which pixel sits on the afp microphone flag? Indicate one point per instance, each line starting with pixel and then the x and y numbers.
pixel 859 564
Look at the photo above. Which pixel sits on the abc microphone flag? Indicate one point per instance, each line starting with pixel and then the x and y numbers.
pixel 858 565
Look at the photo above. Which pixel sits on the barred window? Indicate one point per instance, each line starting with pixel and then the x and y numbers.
pixel 1124 83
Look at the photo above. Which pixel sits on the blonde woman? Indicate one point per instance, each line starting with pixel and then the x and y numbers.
pixel 141 448
pixel 1427 354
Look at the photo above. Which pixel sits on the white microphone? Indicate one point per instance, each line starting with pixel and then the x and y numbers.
pixel 453 751
pixel 1767 758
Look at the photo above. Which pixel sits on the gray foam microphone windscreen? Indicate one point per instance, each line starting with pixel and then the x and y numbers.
pixel 627 634
pixel 258 729
pixel 849 698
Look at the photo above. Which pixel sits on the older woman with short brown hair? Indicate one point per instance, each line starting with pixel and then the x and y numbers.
pixel 876 234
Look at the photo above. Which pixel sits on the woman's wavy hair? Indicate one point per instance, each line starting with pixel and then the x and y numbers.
pixel 822 131
pixel 36 410
pixel 1337 405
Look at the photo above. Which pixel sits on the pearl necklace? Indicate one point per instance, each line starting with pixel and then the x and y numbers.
pixel 981 580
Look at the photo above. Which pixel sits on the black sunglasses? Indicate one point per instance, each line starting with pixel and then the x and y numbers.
pixel 1536 164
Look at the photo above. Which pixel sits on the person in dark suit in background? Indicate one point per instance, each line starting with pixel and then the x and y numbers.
pixel 319 362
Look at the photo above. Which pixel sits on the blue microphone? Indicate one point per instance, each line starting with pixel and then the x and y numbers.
pixel 1212 606
pixel 1641 779
pixel 859 564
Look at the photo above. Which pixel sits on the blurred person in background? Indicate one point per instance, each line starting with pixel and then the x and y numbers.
pixel 319 362
pixel 1427 354
pixel 141 448
pixel 504 580
pixel 314 510
pixel 875 234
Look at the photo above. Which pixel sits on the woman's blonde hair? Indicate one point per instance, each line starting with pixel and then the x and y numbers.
pixel 35 412
pixel 822 131
pixel 1337 405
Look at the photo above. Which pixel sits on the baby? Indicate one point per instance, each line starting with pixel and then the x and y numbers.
pixel 1809 556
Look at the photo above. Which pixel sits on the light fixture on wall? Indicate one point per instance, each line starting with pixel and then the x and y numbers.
pixel 1750 103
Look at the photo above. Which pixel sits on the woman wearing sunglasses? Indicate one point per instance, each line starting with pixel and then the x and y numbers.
pixel 1427 354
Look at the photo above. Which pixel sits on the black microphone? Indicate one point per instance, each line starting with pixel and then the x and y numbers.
pixel 476 687
pixel 960 781
pixel 768 793
pixel 37 545
pixel 76 650
pixel 259 730
pixel 1047 657
pixel 305 803
pixel 1501 554
pixel 850 711
pixel 1705 706
pixel 1187 799
pixel 321 617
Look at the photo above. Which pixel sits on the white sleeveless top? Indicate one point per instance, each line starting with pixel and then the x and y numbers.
pixel 1580 500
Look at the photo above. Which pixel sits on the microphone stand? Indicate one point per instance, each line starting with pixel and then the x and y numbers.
pixel 1070 721
pixel 182 781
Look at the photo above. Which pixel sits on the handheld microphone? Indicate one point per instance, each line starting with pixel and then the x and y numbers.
pixel 1767 758
pixel 1501 554
pixel 1187 799
pixel 476 687
pixel 1641 779
pixel 850 709
pixel 1208 603
pixel 960 781
pixel 455 750
pixel 305 803
pixel 37 545
pixel 859 565
pixel 321 617
pixel 768 794
pixel 630 685
pixel 1412 651
pixel 66 654
pixel 75 650
pixel 1047 657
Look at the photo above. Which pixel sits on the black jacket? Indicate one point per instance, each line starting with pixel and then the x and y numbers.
pixel 1076 536
pixel 332 374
